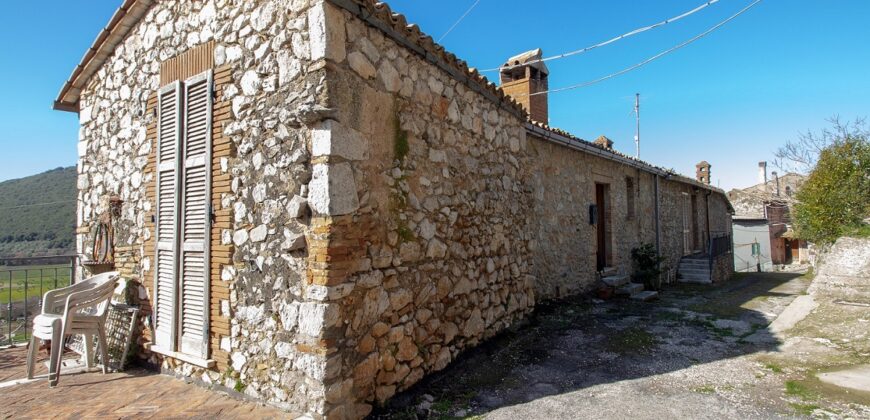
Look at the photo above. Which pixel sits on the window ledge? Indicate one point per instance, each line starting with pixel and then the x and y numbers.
pixel 196 361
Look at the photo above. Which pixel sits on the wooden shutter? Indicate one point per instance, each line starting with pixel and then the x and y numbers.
pixel 165 260
pixel 195 216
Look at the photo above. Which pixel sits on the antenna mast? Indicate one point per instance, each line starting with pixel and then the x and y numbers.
pixel 637 128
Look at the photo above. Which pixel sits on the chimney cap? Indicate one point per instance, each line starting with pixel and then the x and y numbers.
pixel 526 57
pixel 702 163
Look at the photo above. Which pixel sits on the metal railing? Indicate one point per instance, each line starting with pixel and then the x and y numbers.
pixel 720 243
pixel 21 288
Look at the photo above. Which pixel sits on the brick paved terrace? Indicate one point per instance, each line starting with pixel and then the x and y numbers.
pixel 135 393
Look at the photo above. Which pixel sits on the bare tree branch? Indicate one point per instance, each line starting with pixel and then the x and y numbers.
pixel 801 155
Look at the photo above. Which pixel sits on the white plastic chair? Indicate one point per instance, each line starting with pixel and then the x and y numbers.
pixel 77 309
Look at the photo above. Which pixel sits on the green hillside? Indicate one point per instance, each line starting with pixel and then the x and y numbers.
pixel 37 214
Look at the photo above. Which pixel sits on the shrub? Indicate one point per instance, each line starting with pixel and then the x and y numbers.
pixel 646 266
pixel 835 199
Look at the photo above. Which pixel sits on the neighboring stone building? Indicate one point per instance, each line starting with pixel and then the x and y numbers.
pixel 322 206
pixel 769 202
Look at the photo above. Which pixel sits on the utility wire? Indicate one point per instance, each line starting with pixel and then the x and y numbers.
pixel 463 17
pixel 651 59
pixel 36 205
pixel 609 41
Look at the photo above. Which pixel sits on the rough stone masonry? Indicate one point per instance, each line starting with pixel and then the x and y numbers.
pixel 377 206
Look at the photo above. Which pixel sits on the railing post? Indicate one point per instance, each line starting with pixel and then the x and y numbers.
pixel 41 280
pixel 72 269
pixel 26 280
pixel 9 310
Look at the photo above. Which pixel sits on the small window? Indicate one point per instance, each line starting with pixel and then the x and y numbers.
pixel 788 191
pixel 629 198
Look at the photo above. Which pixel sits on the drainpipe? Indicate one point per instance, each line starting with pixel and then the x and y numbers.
pixel 709 236
pixel 658 228
pixel 707 212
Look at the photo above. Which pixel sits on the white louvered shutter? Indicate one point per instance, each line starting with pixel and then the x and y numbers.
pixel 195 216
pixel 165 266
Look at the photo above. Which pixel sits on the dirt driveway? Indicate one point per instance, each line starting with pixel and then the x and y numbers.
pixel 698 352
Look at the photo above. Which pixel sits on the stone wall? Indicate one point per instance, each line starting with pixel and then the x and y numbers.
pixel 565 243
pixel 375 213
pixel 444 221
pixel 269 346
pixel 430 173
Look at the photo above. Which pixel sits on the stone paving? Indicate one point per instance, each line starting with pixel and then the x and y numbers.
pixel 136 393
pixel 699 352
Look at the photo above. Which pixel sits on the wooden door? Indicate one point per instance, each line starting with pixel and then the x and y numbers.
pixel 600 227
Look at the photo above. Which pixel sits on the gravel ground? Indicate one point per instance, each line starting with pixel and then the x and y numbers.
pixel 698 352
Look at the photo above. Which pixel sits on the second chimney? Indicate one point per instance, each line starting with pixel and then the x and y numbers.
pixel 524 77
pixel 702 172
pixel 762 174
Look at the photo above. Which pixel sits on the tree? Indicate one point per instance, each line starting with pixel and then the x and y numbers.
pixel 801 155
pixel 835 199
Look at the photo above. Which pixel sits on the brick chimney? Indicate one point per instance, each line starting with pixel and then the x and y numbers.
pixel 702 172
pixel 604 142
pixel 521 76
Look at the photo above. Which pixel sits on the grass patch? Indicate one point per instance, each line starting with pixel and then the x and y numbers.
pixel 773 367
pixel 400 140
pixel 860 231
pixel 31 281
pixel 444 408
pixel 631 340
pixel 706 389
pixel 797 389
pixel 804 409
pixel 405 234
pixel 240 387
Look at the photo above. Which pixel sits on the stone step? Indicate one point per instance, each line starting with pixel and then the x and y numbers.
pixel 615 281
pixel 645 296
pixel 695 280
pixel 608 271
pixel 690 271
pixel 686 275
pixel 629 289
pixel 694 263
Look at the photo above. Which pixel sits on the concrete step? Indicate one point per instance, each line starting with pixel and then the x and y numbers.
pixel 615 281
pixel 629 289
pixel 645 296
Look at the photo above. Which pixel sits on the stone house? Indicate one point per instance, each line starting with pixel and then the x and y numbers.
pixel 317 205
pixel 770 201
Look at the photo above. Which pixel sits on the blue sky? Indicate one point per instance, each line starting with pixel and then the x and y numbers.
pixel 731 98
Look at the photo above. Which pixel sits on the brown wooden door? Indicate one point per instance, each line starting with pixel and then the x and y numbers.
pixel 600 227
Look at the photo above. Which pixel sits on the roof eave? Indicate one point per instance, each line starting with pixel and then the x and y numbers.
pixel 127 15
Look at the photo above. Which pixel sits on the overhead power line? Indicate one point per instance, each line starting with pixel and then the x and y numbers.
pixel 653 58
pixel 37 205
pixel 611 40
pixel 463 17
